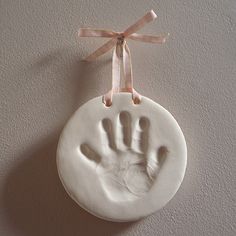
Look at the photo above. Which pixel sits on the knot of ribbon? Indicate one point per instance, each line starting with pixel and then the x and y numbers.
pixel 121 53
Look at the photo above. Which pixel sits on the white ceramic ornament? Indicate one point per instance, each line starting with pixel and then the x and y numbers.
pixel 121 156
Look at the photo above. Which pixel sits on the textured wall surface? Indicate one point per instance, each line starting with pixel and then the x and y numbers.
pixel 43 82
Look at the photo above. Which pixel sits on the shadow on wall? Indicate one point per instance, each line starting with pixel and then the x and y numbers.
pixel 37 204
pixel 34 200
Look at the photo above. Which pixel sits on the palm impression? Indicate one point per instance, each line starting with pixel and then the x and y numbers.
pixel 127 168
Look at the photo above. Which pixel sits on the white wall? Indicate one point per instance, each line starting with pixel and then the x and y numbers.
pixel 43 81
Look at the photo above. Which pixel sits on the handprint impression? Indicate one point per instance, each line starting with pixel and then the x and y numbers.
pixel 126 167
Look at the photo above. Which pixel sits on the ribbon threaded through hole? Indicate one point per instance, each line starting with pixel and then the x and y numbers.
pixel 121 53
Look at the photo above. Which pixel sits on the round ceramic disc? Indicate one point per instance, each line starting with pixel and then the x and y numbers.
pixel 122 162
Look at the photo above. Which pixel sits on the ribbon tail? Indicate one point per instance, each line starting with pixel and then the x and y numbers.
pixel 89 32
pixel 150 16
pixel 148 38
pixel 102 50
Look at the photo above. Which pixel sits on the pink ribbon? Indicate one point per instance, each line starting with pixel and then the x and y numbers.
pixel 121 53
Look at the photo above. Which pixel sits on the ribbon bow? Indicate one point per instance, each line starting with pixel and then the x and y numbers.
pixel 121 53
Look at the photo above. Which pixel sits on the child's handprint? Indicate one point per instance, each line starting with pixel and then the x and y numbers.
pixel 127 168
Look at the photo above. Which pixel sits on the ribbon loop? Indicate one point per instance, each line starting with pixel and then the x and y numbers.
pixel 121 54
